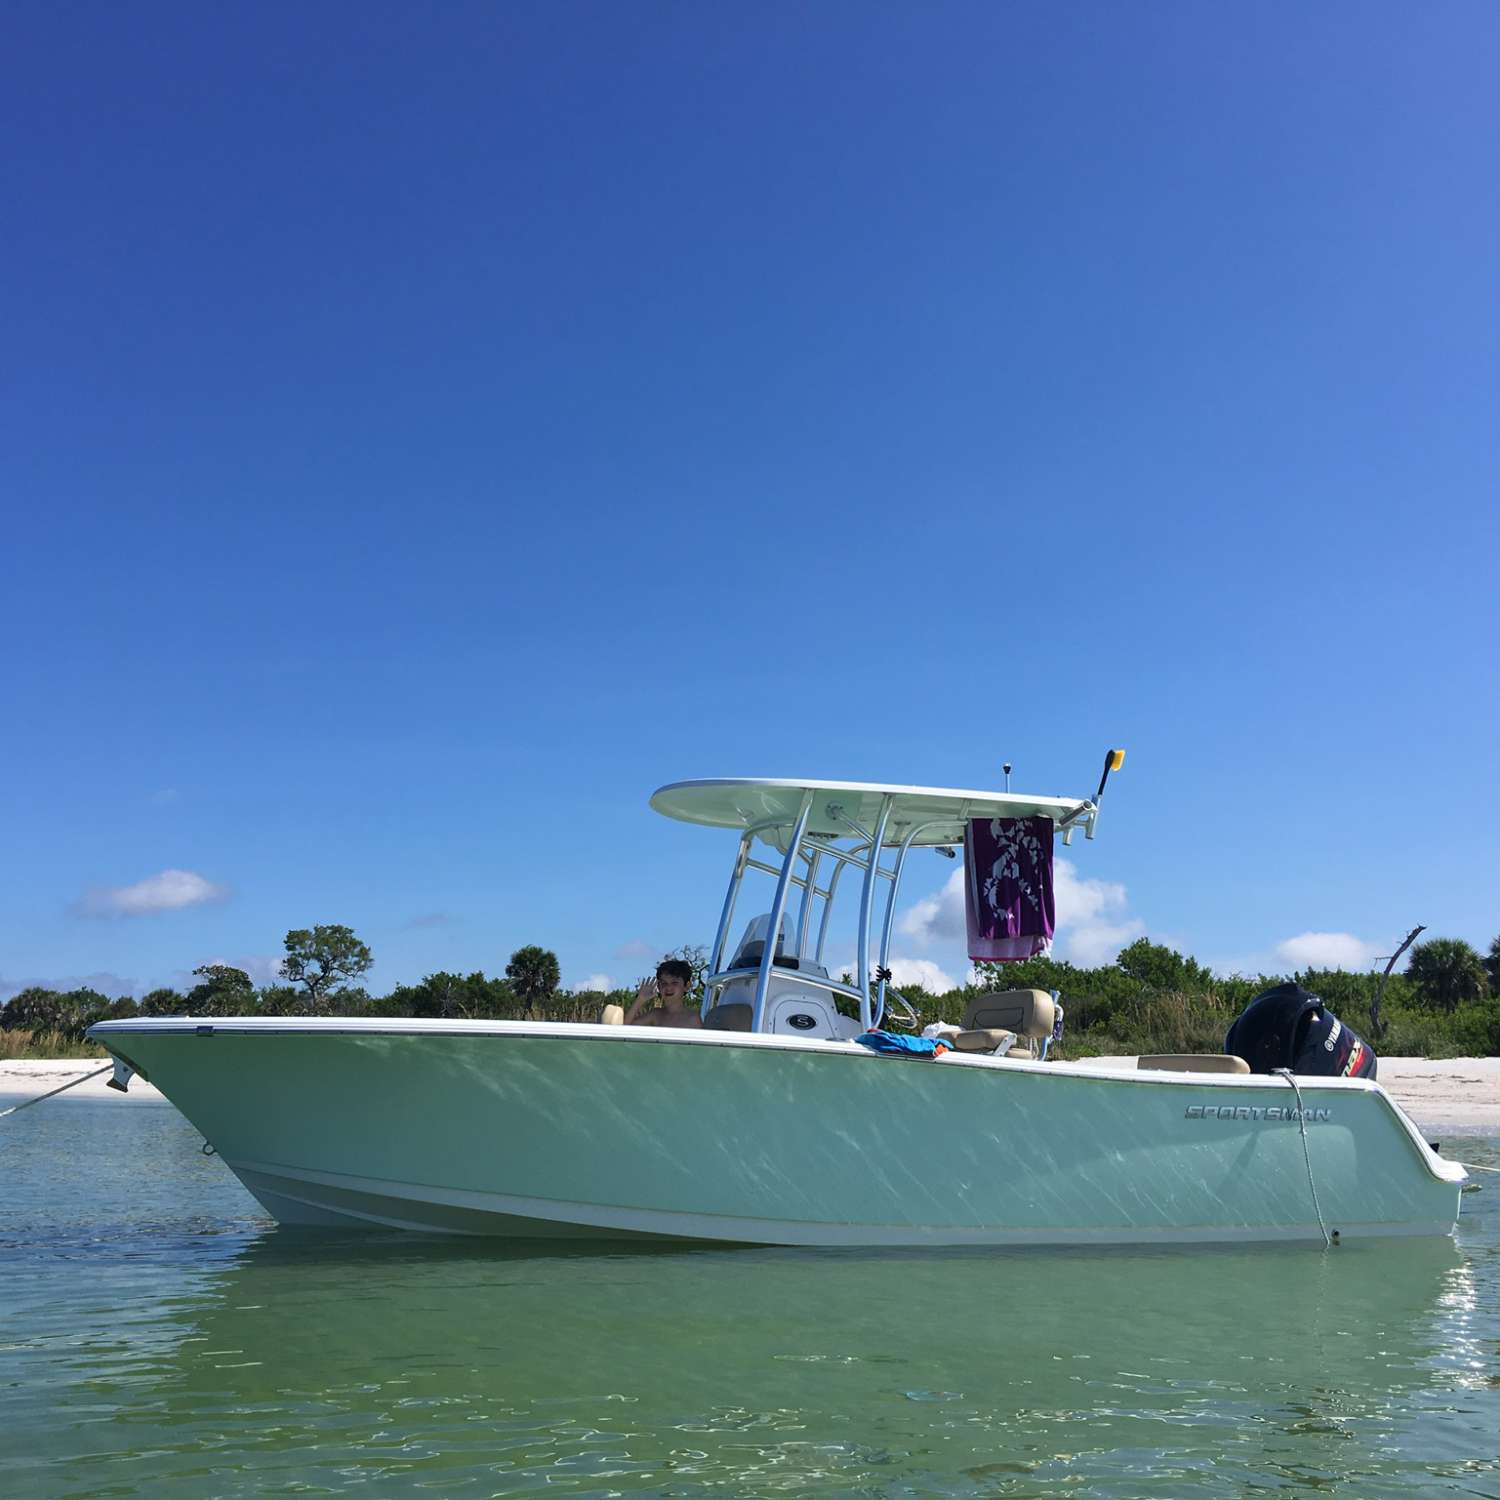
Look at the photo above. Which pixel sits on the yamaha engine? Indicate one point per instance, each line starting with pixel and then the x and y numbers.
pixel 1287 1027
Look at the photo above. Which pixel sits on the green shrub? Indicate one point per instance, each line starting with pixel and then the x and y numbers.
pixel 1470 1031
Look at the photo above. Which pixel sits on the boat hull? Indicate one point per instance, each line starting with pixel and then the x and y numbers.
pixel 569 1132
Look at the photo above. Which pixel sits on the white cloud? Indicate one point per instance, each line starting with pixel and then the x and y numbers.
pixel 1099 943
pixel 594 982
pixel 1327 950
pixel 937 917
pixel 1093 918
pixel 635 948
pixel 919 973
pixel 172 890
pixel 1081 900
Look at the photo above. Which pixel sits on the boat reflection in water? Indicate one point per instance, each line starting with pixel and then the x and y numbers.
pixel 389 1360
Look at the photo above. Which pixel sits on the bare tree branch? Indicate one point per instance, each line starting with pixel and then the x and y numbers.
pixel 1377 1026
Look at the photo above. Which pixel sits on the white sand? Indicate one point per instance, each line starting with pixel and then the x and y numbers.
pixel 25 1078
pixel 1460 1094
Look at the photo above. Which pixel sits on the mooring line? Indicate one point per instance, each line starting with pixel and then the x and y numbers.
pixel 1306 1154
pixel 27 1103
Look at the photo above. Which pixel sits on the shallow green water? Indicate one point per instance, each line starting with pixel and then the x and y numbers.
pixel 159 1337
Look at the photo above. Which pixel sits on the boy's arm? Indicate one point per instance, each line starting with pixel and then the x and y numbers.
pixel 643 998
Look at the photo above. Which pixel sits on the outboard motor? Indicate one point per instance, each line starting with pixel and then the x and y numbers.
pixel 1287 1027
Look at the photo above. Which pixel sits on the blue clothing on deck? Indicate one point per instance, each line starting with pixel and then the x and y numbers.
pixel 901 1046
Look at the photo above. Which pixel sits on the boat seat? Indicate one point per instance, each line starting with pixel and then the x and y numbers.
pixel 1026 1015
pixel 613 1015
pixel 1192 1062
pixel 987 1039
pixel 732 1017
pixel 750 955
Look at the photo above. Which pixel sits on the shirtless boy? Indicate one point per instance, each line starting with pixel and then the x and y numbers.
pixel 673 977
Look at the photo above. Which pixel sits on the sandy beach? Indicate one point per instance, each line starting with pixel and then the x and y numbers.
pixel 25 1078
pixel 1458 1094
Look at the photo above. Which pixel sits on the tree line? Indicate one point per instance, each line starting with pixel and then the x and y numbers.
pixel 320 976
pixel 1446 1002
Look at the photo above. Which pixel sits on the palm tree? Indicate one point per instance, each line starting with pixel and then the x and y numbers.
pixel 1492 963
pixel 1446 972
pixel 533 973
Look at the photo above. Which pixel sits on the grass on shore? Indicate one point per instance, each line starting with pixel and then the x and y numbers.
pixel 44 1046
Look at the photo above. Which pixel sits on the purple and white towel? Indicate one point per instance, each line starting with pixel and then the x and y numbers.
pixel 1008 888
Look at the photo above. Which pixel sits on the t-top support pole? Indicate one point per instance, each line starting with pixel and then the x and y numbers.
pixel 809 891
pixel 890 907
pixel 866 906
pixel 726 916
pixel 778 911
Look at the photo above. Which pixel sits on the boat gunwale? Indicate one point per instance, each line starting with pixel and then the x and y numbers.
pixel 678 1036
pixel 586 1031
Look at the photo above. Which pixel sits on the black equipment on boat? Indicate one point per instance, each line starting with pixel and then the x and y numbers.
pixel 1288 1027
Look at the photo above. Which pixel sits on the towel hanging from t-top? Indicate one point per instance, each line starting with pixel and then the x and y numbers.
pixel 1008 888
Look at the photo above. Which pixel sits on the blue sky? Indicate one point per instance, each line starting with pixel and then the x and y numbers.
pixel 428 430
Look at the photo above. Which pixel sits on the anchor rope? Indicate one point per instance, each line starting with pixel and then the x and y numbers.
pixel 27 1103
pixel 1306 1153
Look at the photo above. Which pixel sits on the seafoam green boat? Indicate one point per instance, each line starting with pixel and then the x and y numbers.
pixel 771 1123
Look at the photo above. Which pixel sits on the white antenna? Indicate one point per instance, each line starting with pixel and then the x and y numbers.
pixel 1006 769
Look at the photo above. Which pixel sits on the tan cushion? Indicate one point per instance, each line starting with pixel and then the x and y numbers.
pixel 1193 1062
pixel 978 1041
pixel 1028 1013
pixel 614 1015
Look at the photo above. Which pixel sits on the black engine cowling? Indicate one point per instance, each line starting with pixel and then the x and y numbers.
pixel 1288 1027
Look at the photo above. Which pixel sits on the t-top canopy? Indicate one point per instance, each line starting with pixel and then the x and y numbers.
pixel 771 807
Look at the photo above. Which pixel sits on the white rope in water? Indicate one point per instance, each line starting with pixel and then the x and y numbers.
pixel 1306 1154
pixel 27 1103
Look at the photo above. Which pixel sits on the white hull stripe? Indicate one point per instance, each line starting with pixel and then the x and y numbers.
pixel 385 1201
